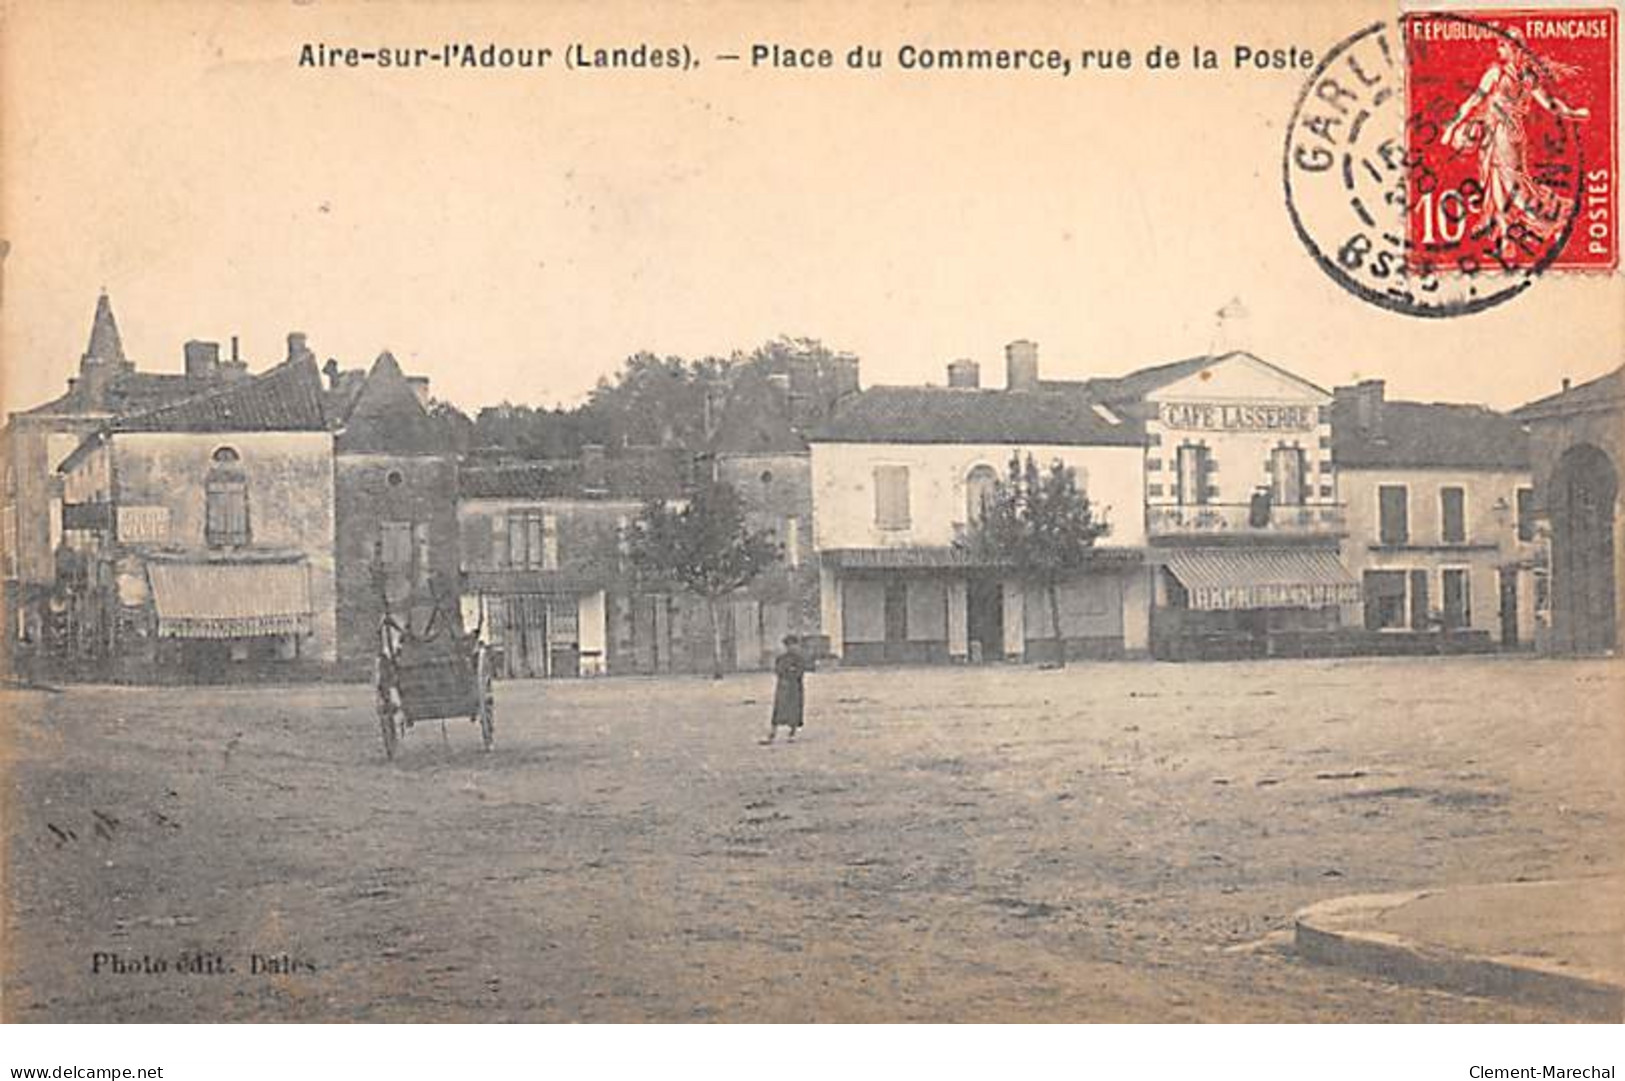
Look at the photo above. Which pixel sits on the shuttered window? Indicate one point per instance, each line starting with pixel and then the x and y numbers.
pixel 891 496
pixel 1526 514
pixel 1286 476
pixel 1453 515
pixel 1194 468
pixel 533 541
pixel 225 521
pixel 1393 514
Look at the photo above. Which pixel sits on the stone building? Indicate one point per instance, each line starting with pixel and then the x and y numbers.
pixel 898 474
pixel 545 570
pixel 1242 513
pixel 1577 446
pixel 395 506
pixel 1441 524
pixel 198 536
pixel 37 623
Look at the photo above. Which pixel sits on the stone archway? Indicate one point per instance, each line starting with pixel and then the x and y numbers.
pixel 1583 500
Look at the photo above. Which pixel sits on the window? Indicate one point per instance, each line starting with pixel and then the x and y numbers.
pixel 891 496
pixel 1286 476
pixel 1526 514
pixel 1421 614
pixel 979 486
pixel 1458 612
pixel 792 541
pixel 1384 593
pixel 403 558
pixel 225 494
pixel 1453 515
pixel 533 540
pixel 1194 466
pixel 1393 514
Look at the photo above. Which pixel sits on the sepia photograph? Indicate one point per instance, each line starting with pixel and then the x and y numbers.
pixel 929 512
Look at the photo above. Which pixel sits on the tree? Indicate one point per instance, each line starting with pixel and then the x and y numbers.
pixel 1040 525
pixel 705 546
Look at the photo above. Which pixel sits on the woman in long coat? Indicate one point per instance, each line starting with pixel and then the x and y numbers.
pixel 787 694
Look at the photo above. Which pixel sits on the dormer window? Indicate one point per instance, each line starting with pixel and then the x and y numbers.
pixel 225 523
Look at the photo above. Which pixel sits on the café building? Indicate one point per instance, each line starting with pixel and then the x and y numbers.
pixel 1242 516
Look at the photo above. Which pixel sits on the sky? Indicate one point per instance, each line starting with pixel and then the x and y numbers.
pixel 515 235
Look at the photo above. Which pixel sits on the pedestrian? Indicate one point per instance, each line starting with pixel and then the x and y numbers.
pixel 787 699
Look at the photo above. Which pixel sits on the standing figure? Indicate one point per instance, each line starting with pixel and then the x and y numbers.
pixel 787 698
pixel 1492 121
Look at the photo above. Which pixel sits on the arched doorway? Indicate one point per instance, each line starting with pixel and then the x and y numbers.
pixel 1585 487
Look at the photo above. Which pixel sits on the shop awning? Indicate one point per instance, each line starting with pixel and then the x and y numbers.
pixel 928 557
pixel 230 600
pixel 1227 578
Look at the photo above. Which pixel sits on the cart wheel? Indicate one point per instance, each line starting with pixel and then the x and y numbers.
pixel 388 707
pixel 486 699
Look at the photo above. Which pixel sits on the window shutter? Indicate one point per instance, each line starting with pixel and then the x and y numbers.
pixel 499 542
pixel 420 543
pixel 550 542
pixel 891 496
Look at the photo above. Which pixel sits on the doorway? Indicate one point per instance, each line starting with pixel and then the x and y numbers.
pixel 1509 608
pixel 984 619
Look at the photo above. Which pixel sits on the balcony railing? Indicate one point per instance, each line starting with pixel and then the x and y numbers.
pixel 1244 519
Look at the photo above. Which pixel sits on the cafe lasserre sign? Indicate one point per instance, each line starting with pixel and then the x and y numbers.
pixel 1216 417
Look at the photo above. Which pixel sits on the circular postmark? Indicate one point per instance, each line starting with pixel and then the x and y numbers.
pixel 1430 168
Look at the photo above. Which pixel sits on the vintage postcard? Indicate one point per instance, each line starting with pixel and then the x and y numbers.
pixel 730 512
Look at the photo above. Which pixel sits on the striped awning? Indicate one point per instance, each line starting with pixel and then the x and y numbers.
pixel 209 599
pixel 1226 578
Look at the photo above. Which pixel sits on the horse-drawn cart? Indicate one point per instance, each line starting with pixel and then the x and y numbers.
pixel 431 676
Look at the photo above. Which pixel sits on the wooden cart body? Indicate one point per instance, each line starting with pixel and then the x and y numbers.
pixel 431 677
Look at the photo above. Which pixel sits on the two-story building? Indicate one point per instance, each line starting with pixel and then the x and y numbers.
pixel 1441 518
pixel 899 473
pixel 37 624
pixel 1241 503
pixel 198 536
pixel 546 573
pixel 395 506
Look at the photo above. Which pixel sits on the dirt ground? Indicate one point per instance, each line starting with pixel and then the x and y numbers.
pixel 1108 842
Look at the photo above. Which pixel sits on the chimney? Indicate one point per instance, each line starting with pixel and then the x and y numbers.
pixel 236 367
pixel 420 388
pixel 964 373
pixel 1021 365
pixel 298 348
pixel 1365 399
pixel 844 375
pixel 1566 382
pixel 331 370
pixel 202 360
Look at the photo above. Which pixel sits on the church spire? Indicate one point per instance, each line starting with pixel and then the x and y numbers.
pixel 105 344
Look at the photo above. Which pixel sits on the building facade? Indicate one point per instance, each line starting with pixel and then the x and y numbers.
pixel 1577 447
pixel 1441 524
pixel 546 571
pixel 1242 511
pixel 898 475
pixel 37 624
pixel 198 537
pixel 395 509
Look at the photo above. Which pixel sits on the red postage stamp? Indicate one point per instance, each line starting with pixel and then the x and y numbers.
pixel 1511 140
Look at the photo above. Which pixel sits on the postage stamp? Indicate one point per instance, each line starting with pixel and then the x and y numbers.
pixel 1438 165
pixel 1505 108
